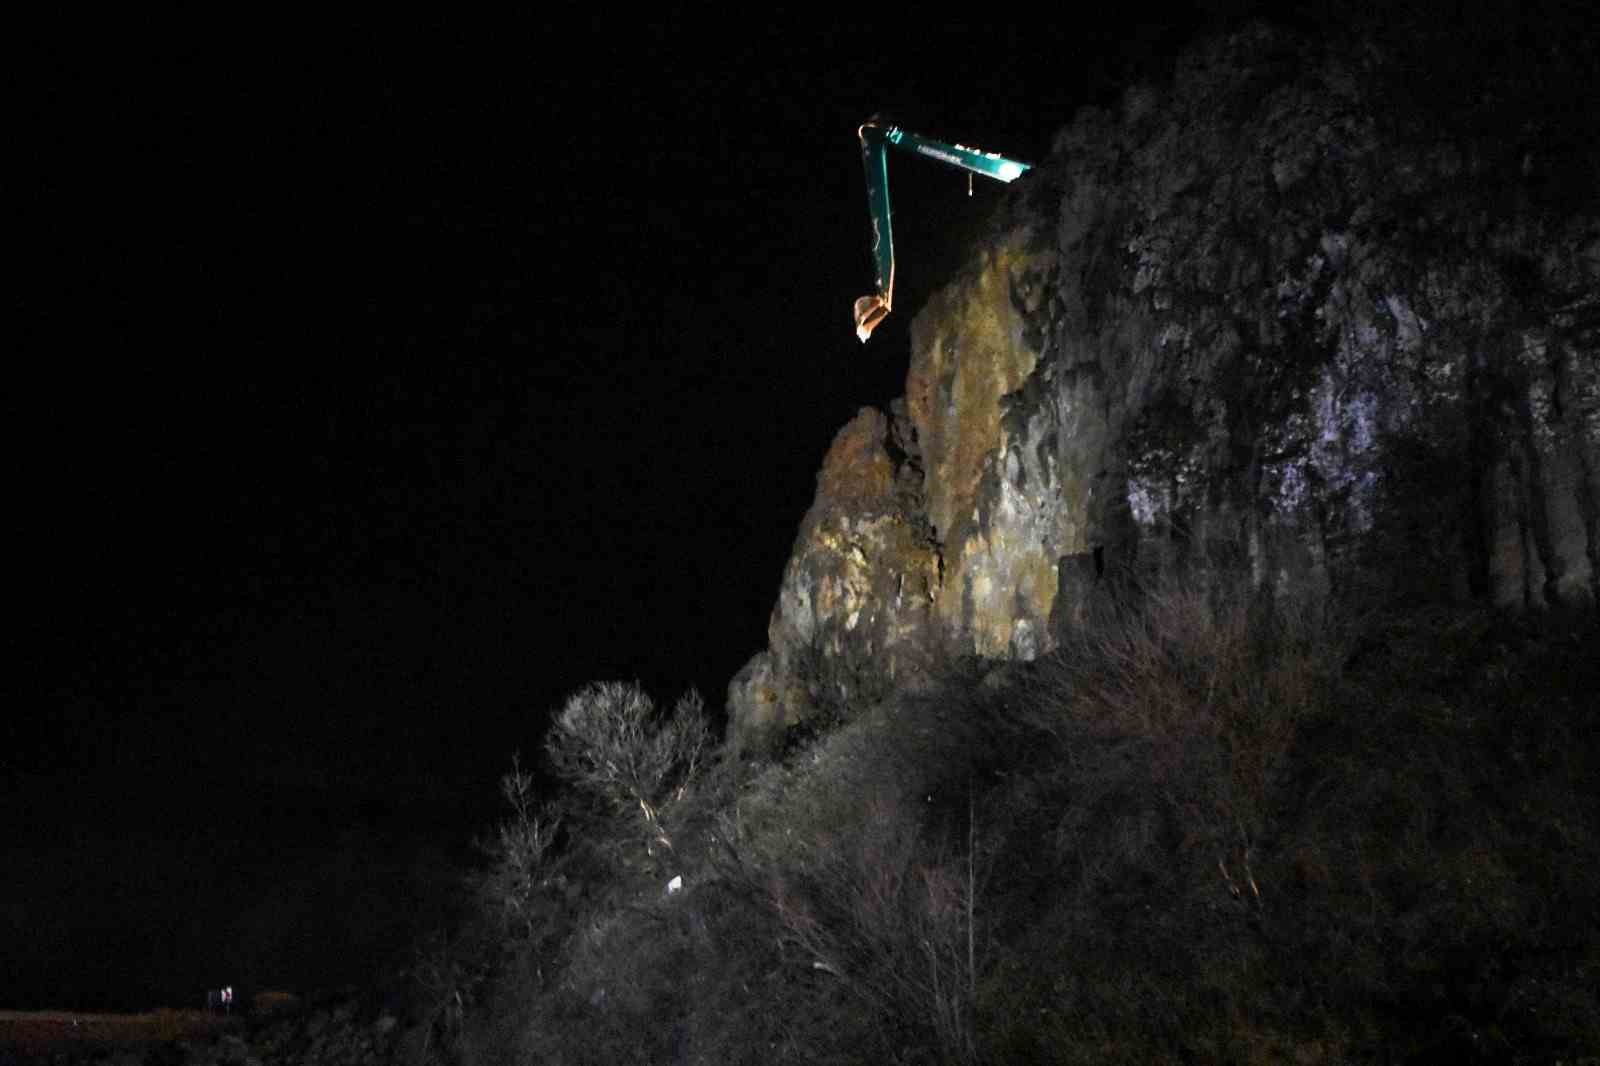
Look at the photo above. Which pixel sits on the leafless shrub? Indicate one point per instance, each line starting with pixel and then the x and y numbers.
pixel 893 924
pixel 517 852
pixel 609 741
pixel 450 974
pixel 1210 686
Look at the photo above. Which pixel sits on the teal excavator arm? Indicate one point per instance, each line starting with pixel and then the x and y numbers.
pixel 876 141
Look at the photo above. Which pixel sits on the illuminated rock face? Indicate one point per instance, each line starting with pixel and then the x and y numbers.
pixel 854 613
pixel 999 505
pixel 1266 321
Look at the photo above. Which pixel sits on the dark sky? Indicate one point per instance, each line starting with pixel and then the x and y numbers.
pixel 378 386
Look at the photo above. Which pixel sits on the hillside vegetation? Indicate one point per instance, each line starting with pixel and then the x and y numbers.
pixel 1209 828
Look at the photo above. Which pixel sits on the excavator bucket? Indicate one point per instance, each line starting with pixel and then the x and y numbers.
pixel 869 311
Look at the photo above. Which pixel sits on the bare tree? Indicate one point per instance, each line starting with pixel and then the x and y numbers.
pixel 610 741
pixel 517 851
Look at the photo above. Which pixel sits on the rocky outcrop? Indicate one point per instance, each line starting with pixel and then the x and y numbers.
pixel 855 613
pixel 1288 317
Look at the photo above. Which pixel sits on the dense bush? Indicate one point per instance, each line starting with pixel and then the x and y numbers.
pixel 1209 828
pixel 1289 843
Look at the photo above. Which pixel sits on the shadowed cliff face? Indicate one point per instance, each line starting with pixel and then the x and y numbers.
pixel 1287 317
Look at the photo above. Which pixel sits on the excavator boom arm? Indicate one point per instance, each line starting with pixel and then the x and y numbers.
pixel 876 140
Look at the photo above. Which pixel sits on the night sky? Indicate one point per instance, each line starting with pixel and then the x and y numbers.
pixel 378 386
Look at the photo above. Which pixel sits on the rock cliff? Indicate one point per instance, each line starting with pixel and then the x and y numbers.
pixel 1305 313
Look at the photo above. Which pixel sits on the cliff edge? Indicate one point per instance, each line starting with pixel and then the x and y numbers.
pixel 1307 313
